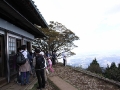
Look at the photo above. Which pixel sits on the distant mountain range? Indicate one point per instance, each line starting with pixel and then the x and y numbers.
pixel 84 60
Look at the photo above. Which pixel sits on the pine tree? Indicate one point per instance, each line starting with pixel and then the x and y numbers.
pixel 112 72
pixel 94 67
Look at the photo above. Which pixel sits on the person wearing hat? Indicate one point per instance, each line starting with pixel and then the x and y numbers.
pixel 39 67
pixel 45 69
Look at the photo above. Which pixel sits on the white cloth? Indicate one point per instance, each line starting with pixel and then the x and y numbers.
pixel 42 53
pixel 64 55
pixel 24 53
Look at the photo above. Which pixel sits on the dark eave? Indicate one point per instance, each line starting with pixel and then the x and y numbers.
pixel 29 10
pixel 11 15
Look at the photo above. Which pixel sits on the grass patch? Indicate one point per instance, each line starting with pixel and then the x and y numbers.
pixel 35 86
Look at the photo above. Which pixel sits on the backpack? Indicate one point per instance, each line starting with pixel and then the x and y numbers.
pixel 40 62
pixel 20 59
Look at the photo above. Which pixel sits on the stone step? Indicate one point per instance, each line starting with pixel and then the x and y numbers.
pixel 61 84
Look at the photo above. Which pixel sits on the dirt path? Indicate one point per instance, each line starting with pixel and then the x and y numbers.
pixel 61 83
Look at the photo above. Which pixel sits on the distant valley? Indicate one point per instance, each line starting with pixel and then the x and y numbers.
pixel 84 60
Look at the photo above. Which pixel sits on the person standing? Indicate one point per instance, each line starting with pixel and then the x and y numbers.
pixel 47 53
pixel 25 68
pixel 17 67
pixel 34 62
pixel 45 69
pixel 39 67
pixel 50 65
pixel 30 57
pixel 54 56
pixel 64 58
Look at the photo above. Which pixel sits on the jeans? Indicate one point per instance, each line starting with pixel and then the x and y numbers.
pixel 25 77
pixel 53 61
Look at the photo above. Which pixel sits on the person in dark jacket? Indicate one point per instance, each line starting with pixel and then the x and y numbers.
pixel 54 57
pixel 39 67
pixel 30 57
pixel 17 68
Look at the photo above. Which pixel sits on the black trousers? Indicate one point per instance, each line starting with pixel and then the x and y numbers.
pixel 53 61
pixel 41 78
pixel 64 62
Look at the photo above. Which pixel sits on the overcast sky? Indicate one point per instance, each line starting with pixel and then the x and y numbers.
pixel 96 22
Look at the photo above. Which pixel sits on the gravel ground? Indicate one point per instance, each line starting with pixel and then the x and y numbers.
pixel 81 80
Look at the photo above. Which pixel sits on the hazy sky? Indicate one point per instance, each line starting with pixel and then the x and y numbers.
pixel 96 22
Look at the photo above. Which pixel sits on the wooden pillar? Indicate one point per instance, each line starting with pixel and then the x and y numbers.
pixel 7 56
